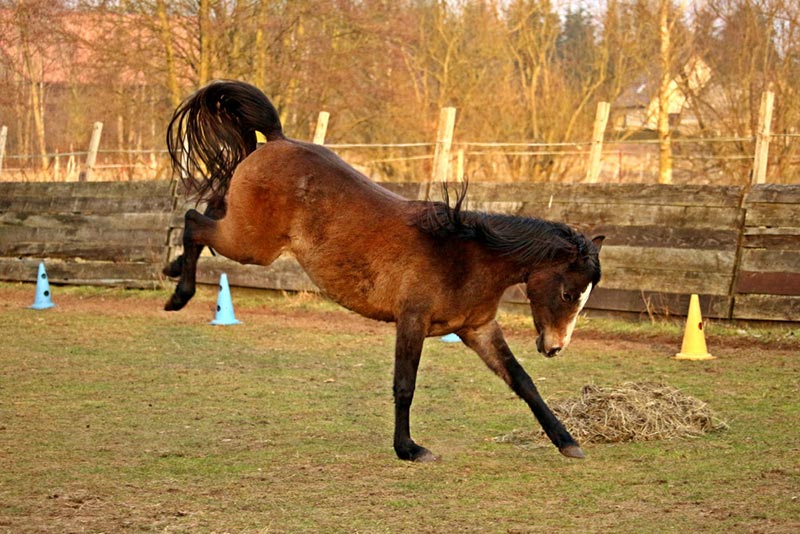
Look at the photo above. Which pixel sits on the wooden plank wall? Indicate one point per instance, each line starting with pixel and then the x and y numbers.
pixel 96 233
pixel 768 281
pixel 739 250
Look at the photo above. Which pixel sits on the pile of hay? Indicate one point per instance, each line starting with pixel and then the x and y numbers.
pixel 634 411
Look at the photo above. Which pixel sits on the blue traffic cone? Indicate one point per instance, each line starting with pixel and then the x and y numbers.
pixel 451 338
pixel 42 300
pixel 224 305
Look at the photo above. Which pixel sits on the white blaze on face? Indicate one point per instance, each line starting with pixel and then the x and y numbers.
pixel 581 303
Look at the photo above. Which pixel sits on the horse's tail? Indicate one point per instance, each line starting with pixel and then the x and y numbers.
pixel 213 130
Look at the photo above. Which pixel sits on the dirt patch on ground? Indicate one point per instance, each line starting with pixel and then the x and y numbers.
pixel 310 311
pixel 744 339
pixel 201 308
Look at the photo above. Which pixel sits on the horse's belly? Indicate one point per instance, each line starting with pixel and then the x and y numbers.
pixel 352 282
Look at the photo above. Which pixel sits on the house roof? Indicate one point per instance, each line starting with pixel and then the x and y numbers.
pixel 637 94
pixel 644 88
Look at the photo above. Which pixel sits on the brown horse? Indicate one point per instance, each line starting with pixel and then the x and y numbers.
pixel 430 267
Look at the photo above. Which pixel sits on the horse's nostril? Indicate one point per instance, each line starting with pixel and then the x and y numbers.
pixel 552 352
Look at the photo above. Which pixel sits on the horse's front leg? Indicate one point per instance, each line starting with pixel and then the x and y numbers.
pixel 197 231
pixel 411 331
pixel 215 209
pixel 491 346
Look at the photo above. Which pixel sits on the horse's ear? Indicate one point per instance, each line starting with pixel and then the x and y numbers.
pixel 598 242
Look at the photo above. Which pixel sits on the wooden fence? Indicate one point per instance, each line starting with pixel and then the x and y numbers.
pixel 767 281
pixel 110 233
pixel 738 248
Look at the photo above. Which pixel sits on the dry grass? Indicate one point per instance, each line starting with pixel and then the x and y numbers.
pixel 634 411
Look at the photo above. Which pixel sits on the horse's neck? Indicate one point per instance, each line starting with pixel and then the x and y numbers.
pixel 504 271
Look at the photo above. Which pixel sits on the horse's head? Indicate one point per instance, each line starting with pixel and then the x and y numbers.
pixel 559 291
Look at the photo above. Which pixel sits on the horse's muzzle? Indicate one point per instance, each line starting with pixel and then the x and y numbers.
pixel 547 351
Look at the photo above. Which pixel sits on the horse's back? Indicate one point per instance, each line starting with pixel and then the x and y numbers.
pixel 308 171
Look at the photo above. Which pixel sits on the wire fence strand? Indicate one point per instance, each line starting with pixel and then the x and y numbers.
pixel 724 159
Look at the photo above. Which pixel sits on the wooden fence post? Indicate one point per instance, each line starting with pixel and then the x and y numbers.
pixel 596 151
pixel 444 140
pixel 322 128
pixel 762 138
pixel 3 137
pixel 91 157
pixel 184 156
pixel 71 164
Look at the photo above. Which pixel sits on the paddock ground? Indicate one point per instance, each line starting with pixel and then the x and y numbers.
pixel 116 416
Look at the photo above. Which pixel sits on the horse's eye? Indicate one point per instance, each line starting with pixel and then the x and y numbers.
pixel 566 296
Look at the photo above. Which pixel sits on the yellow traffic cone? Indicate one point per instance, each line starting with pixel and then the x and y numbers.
pixel 694 342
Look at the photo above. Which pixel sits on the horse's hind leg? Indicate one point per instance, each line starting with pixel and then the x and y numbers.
pixel 215 210
pixel 197 232
pixel 491 346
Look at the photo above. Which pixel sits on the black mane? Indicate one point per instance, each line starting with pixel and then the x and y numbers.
pixel 526 240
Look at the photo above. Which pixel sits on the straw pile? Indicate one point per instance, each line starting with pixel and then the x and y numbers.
pixel 634 411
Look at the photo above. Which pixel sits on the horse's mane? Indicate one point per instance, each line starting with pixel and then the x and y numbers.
pixel 526 240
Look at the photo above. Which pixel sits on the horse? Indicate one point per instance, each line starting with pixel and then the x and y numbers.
pixel 432 268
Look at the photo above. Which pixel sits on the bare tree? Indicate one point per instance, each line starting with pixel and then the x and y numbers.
pixel 519 71
pixel 31 32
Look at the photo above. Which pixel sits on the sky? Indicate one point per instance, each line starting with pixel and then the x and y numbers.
pixel 597 5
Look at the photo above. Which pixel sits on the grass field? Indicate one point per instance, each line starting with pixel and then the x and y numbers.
pixel 118 417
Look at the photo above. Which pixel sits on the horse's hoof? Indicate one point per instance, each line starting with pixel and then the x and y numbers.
pixel 172 306
pixel 415 453
pixel 425 456
pixel 175 303
pixel 180 297
pixel 572 451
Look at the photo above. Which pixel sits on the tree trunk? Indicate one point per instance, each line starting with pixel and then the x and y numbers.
pixel 169 51
pixel 37 105
pixel 205 43
pixel 664 136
